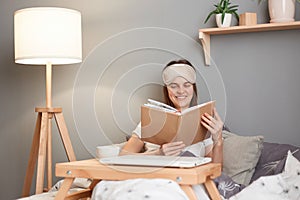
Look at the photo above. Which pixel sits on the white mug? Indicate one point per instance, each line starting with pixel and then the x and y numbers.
pixel 107 151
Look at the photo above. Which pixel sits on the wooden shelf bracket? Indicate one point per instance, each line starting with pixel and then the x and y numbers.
pixel 205 41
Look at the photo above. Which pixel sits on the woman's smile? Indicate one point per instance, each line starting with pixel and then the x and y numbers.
pixel 181 93
pixel 180 98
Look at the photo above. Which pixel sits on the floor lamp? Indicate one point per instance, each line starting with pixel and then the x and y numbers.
pixel 47 36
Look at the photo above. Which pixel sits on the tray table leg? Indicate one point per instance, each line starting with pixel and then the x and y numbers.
pixel 212 190
pixel 63 191
pixel 189 191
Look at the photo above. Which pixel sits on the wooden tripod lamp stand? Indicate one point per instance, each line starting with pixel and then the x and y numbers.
pixel 47 36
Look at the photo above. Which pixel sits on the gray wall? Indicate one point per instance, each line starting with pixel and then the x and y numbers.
pixel 254 77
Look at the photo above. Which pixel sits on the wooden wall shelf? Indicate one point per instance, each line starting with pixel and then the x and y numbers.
pixel 204 34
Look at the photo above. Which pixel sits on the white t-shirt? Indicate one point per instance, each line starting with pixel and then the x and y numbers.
pixel 198 149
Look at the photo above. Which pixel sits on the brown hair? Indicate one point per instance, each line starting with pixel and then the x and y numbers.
pixel 168 101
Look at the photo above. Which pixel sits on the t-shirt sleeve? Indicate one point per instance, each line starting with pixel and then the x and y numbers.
pixel 138 130
pixel 148 146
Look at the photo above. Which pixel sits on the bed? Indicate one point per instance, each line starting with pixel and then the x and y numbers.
pixel 255 162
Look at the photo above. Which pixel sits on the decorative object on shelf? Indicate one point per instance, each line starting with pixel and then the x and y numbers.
pixel 224 12
pixel 248 19
pixel 47 36
pixel 282 10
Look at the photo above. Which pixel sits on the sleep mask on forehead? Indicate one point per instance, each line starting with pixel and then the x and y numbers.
pixel 179 70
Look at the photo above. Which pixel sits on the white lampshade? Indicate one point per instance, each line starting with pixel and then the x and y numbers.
pixel 47 35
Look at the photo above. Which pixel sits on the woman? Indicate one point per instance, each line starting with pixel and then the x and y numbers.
pixel 180 92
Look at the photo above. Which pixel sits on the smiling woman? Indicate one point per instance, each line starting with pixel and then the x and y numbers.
pixel 180 92
pixel 180 89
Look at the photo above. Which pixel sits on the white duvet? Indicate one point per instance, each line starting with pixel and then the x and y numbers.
pixel 138 189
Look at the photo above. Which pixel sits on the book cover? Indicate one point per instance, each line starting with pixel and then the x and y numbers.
pixel 163 124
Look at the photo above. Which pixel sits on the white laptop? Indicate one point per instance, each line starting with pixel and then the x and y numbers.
pixel 157 161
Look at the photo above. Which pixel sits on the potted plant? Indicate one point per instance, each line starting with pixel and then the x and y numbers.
pixel 224 11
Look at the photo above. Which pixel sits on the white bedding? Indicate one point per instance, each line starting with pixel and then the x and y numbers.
pixel 78 184
pixel 138 189
pixel 282 186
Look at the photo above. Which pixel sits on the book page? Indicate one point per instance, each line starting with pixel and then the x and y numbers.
pixel 159 108
pixel 160 104
pixel 195 107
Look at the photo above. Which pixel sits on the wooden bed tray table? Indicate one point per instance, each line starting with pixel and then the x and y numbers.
pixel 93 169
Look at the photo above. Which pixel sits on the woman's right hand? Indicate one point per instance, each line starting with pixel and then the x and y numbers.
pixel 172 149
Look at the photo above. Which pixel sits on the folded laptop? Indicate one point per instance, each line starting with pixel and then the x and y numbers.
pixel 157 161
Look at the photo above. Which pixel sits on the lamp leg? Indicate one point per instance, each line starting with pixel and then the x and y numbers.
pixel 42 154
pixel 38 153
pixel 49 154
pixel 61 125
pixel 32 157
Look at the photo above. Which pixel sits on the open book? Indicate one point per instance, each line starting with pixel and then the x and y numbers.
pixel 162 123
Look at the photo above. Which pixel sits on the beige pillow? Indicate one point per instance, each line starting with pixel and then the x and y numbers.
pixel 241 154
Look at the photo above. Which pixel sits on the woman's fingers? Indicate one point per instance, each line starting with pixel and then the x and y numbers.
pixel 209 119
pixel 207 126
pixel 173 153
pixel 173 148
pixel 213 125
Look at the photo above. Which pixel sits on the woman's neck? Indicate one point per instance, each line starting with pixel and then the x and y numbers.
pixel 182 108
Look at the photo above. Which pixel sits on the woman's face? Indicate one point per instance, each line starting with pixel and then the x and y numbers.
pixel 180 93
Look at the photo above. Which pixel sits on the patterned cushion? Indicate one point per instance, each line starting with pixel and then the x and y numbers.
pixel 272 159
pixel 227 187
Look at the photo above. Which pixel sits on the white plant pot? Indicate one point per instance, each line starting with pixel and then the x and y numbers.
pixel 226 22
pixel 282 10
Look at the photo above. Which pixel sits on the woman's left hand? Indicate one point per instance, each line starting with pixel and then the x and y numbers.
pixel 213 124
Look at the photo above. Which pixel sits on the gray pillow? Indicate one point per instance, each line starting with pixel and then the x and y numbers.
pixel 241 154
